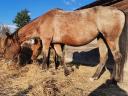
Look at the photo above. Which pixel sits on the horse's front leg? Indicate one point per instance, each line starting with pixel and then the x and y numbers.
pixel 46 46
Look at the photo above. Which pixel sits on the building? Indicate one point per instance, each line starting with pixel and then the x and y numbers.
pixel 120 4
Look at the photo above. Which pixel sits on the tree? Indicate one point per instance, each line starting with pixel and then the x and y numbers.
pixel 22 18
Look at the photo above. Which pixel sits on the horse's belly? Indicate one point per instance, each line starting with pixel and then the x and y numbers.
pixel 77 42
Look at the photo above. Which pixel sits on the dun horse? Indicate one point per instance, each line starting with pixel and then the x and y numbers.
pixel 78 28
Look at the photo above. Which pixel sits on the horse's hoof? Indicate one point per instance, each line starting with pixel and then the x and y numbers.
pixel 91 79
pixel 66 72
pixel 118 79
pixel 44 67
pixel 44 70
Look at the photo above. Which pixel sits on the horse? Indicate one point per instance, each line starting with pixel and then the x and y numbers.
pixel 77 28
pixel 30 50
pixel 9 51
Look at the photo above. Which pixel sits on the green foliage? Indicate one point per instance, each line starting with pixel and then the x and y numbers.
pixel 22 18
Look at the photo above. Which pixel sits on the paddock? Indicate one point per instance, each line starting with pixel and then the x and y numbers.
pixel 31 80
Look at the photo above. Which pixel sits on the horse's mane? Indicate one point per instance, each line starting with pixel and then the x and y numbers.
pixel 34 19
pixel 15 34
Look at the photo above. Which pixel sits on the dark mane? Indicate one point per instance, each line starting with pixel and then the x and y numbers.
pixel 34 19
pixel 15 34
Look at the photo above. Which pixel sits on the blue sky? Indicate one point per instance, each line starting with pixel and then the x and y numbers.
pixel 9 8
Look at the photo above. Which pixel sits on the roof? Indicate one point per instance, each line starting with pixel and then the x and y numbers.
pixel 121 4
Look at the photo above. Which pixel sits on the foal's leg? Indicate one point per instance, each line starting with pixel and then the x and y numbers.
pixel 114 46
pixel 60 54
pixel 103 51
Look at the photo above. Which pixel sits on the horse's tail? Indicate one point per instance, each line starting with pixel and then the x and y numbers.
pixel 123 44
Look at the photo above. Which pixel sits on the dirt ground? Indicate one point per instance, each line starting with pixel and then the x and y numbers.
pixel 30 80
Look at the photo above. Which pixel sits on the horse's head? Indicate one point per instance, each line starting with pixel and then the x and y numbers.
pixel 12 47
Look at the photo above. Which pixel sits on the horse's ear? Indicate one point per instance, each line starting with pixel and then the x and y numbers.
pixel 7 34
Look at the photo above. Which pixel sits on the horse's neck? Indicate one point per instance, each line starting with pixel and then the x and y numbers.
pixel 24 34
pixel 23 38
pixel 27 31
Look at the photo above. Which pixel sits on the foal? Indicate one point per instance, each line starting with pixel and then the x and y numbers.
pixel 30 50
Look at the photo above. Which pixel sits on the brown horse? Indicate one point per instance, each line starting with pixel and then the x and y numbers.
pixel 78 28
pixel 11 48
pixel 30 50
pixel 6 41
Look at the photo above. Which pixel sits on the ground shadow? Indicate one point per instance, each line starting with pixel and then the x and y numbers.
pixel 24 92
pixel 87 58
pixel 109 88
pixel 91 58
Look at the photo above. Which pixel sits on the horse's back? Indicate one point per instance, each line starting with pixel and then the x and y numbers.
pixel 73 26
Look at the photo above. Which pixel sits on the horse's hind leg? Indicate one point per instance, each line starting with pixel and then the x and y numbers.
pixel 114 46
pixel 103 51
pixel 60 54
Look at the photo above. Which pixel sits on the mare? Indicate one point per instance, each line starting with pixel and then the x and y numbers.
pixel 77 28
